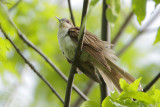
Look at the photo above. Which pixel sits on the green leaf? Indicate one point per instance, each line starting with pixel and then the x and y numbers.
pixel 5 24
pixel 113 10
pixel 3 49
pixel 94 2
pixel 130 92
pixel 157 37
pixel 132 87
pixel 108 102
pixel 157 2
pixel 131 103
pixel 90 103
pixel 110 16
pixel 140 96
pixel 155 94
pixel 114 95
pixel 124 85
pixel 139 8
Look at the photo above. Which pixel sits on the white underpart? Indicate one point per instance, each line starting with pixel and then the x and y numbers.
pixel 67 45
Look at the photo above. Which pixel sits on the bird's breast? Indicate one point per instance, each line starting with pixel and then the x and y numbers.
pixel 68 47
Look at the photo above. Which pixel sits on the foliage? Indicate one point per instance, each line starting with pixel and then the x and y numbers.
pixel 3 49
pixel 113 11
pixel 90 103
pixel 36 19
pixel 94 2
pixel 127 97
pixel 139 7
pixel 157 37
pixel 157 2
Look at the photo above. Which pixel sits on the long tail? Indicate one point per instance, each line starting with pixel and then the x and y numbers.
pixel 112 77
pixel 103 58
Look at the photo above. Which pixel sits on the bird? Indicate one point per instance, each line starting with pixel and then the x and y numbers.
pixel 97 58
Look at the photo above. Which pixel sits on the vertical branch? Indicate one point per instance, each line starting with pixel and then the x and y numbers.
pixel 71 13
pixel 105 25
pixel 106 37
pixel 77 55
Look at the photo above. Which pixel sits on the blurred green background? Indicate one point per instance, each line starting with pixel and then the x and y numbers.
pixel 20 87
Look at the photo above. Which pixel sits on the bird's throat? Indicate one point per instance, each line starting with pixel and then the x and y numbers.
pixel 66 44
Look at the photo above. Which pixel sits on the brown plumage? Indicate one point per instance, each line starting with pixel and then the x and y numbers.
pixel 97 54
pixel 105 56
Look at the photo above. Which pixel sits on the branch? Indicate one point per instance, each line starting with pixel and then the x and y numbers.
pixel 139 33
pixel 116 38
pixel 31 66
pixel 105 28
pixel 15 5
pixel 106 37
pixel 146 88
pixel 77 55
pixel 71 14
pixel 86 92
pixel 31 45
pixel 129 44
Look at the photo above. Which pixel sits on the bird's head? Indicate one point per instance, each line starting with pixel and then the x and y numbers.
pixel 65 23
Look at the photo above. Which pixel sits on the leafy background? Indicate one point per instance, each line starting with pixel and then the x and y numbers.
pixel 20 87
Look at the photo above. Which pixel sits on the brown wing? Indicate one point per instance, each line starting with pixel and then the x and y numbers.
pixel 91 44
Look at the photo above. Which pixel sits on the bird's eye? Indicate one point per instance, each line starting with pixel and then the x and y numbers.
pixel 67 21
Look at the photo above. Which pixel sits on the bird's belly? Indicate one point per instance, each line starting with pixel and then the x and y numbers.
pixel 68 47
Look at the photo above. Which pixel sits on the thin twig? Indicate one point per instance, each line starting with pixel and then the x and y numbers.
pixel 77 55
pixel 71 13
pixel 129 44
pixel 146 88
pixel 15 5
pixel 116 38
pixel 139 33
pixel 31 45
pixel 106 37
pixel 32 67
pixel 86 92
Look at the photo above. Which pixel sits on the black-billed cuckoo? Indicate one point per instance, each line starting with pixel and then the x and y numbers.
pixel 96 54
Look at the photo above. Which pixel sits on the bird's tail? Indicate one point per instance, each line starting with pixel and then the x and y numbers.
pixel 112 76
pixel 104 58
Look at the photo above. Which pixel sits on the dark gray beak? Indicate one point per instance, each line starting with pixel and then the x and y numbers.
pixel 58 18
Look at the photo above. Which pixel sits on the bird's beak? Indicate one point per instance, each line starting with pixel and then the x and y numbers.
pixel 58 18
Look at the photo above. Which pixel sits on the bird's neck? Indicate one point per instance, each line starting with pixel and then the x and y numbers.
pixel 65 43
pixel 62 32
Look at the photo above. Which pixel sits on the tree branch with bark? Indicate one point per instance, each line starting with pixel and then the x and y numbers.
pixel 54 67
pixel 77 54
pixel 31 66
